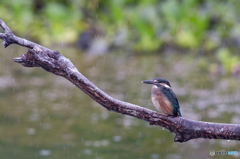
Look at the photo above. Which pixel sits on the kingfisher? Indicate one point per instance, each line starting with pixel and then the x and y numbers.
pixel 163 97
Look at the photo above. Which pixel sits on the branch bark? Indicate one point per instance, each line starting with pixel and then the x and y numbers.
pixel 54 62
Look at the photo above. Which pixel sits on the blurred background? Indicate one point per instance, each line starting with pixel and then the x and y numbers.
pixel 116 44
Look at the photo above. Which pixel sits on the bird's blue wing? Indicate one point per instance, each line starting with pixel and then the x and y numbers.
pixel 171 96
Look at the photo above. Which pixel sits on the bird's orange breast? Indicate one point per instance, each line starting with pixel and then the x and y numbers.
pixel 161 103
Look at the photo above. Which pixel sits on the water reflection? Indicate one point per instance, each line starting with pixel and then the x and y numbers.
pixel 30 131
pixel 44 152
pixel 47 125
pixel 117 138
pixel 34 117
pixel 97 143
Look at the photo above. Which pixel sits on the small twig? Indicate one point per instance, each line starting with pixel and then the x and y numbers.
pixel 54 62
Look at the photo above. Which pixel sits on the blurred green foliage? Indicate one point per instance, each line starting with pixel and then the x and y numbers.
pixel 229 61
pixel 45 21
pixel 150 24
pixel 208 26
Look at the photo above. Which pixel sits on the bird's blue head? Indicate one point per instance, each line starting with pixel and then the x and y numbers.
pixel 157 81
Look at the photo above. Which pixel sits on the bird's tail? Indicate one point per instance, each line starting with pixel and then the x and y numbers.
pixel 179 112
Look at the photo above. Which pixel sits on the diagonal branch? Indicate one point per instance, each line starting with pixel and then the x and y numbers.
pixel 54 62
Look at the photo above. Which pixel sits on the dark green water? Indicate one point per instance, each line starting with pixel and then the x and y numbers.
pixel 45 116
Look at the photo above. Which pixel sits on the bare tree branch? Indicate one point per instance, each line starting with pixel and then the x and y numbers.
pixel 54 62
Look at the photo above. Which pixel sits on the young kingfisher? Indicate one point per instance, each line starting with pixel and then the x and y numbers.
pixel 163 98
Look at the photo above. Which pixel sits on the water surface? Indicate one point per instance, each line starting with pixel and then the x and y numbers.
pixel 46 116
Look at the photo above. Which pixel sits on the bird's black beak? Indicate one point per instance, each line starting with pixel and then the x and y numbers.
pixel 148 82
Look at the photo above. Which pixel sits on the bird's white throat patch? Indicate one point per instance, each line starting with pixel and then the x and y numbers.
pixel 154 86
